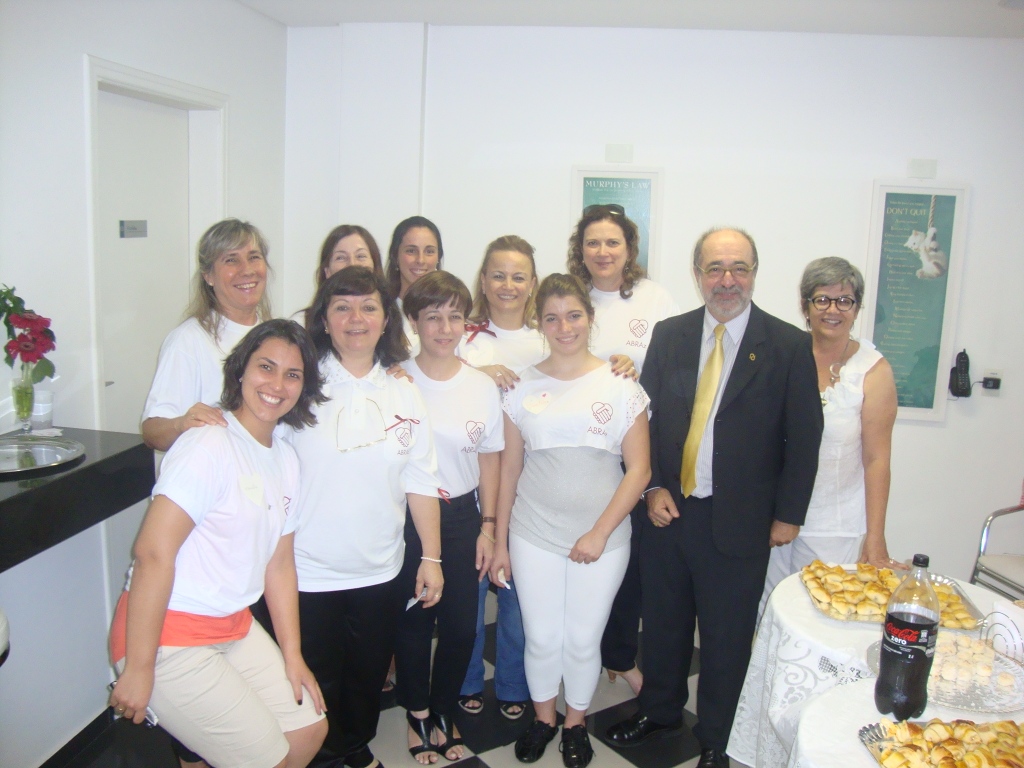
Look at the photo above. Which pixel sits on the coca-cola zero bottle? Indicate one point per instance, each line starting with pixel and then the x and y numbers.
pixel 908 645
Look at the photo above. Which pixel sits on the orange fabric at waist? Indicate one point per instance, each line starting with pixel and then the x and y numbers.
pixel 181 629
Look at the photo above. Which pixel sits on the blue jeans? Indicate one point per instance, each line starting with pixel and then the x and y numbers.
pixel 509 674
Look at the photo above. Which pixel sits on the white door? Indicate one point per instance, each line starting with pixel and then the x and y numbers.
pixel 142 282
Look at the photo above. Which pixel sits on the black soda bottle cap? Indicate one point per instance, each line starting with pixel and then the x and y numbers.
pixel 920 561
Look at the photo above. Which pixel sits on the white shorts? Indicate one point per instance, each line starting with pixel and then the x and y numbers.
pixel 231 703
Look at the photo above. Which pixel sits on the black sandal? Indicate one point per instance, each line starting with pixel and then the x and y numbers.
pixel 422 727
pixel 444 724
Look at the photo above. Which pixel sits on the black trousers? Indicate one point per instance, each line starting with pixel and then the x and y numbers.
pixel 685 579
pixel 348 638
pixel 419 687
pixel 619 644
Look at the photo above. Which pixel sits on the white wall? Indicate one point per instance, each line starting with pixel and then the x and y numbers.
pixel 59 602
pixel 782 134
pixel 44 216
pixel 355 98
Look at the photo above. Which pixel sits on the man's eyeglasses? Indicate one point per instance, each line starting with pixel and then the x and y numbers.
pixel 843 303
pixel 739 271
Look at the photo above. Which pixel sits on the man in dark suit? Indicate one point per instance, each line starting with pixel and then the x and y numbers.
pixel 735 428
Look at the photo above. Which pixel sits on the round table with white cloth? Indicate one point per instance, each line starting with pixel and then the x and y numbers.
pixel 827 733
pixel 799 653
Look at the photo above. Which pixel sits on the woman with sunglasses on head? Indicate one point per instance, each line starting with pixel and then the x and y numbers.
pixel 218 533
pixel 603 253
pixel 563 509
pixel 228 299
pixel 858 396
pixel 415 251
pixel 466 421
pixel 370 456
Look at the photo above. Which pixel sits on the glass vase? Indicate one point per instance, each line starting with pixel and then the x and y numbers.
pixel 23 391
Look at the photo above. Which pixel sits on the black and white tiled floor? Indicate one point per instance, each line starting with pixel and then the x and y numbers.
pixel 489 736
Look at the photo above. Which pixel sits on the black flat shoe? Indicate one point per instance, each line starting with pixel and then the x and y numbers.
pixel 638 729
pixel 713 758
pixel 530 745
pixel 422 727
pixel 445 726
pixel 575 747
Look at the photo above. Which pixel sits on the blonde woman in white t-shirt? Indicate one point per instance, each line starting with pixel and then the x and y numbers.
pixel 228 299
pixel 218 533
pixel 603 252
pixel 563 508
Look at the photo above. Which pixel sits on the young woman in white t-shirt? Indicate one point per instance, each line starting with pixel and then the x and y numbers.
pixel 603 252
pixel 218 533
pixel 466 421
pixel 415 251
pixel 563 507
pixel 370 456
pixel 228 299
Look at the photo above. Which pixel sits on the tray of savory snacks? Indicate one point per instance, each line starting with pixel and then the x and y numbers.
pixel 945 744
pixel 862 594
pixel 968 673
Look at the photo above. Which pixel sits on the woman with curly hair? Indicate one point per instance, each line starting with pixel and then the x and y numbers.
pixel 603 253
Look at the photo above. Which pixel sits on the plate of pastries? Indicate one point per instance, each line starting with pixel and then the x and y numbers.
pixel 862 594
pixel 955 744
pixel 968 673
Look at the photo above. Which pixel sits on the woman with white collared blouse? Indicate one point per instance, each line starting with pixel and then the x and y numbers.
pixel 370 455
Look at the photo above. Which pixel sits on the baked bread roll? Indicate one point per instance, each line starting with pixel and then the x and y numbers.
pixel 876 593
pixel 867 608
pixel 842 607
pixel 937 731
pixel 832 587
pixel 867 572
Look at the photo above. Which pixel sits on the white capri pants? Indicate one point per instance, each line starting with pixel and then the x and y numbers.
pixel 565 607
pixel 804 550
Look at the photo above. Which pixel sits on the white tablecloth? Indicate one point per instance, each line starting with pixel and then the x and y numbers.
pixel 827 733
pixel 799 653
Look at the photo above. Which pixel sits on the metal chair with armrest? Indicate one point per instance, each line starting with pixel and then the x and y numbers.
pixel 1001 573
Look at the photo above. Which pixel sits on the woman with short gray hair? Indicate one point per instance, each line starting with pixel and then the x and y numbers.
pixel 846 517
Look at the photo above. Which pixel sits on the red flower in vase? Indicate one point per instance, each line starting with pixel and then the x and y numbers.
pixel 30 321
pixel 29 347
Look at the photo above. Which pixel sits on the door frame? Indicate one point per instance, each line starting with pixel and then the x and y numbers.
pixel 207 117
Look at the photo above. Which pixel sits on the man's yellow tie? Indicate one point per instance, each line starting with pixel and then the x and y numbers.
pixel 707 388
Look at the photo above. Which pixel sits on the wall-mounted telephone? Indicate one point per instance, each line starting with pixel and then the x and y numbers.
pixel 960 376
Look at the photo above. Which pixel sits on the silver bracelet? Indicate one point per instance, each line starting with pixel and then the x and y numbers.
pixel 431 559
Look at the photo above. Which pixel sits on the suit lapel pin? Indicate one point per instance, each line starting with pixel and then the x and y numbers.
pixel 753 357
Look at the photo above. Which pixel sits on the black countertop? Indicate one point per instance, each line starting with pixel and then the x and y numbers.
pixel 42 508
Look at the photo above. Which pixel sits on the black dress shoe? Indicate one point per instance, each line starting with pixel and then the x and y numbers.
pixel 530 745
pixel 713 758
pixel 638 729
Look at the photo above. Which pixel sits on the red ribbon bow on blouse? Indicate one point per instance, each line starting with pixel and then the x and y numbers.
pixel 483 327
pixel 401 420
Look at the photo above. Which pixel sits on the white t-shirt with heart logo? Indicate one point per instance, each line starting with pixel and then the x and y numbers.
pixel 466 420
pixel 624 326
pixel 572 432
